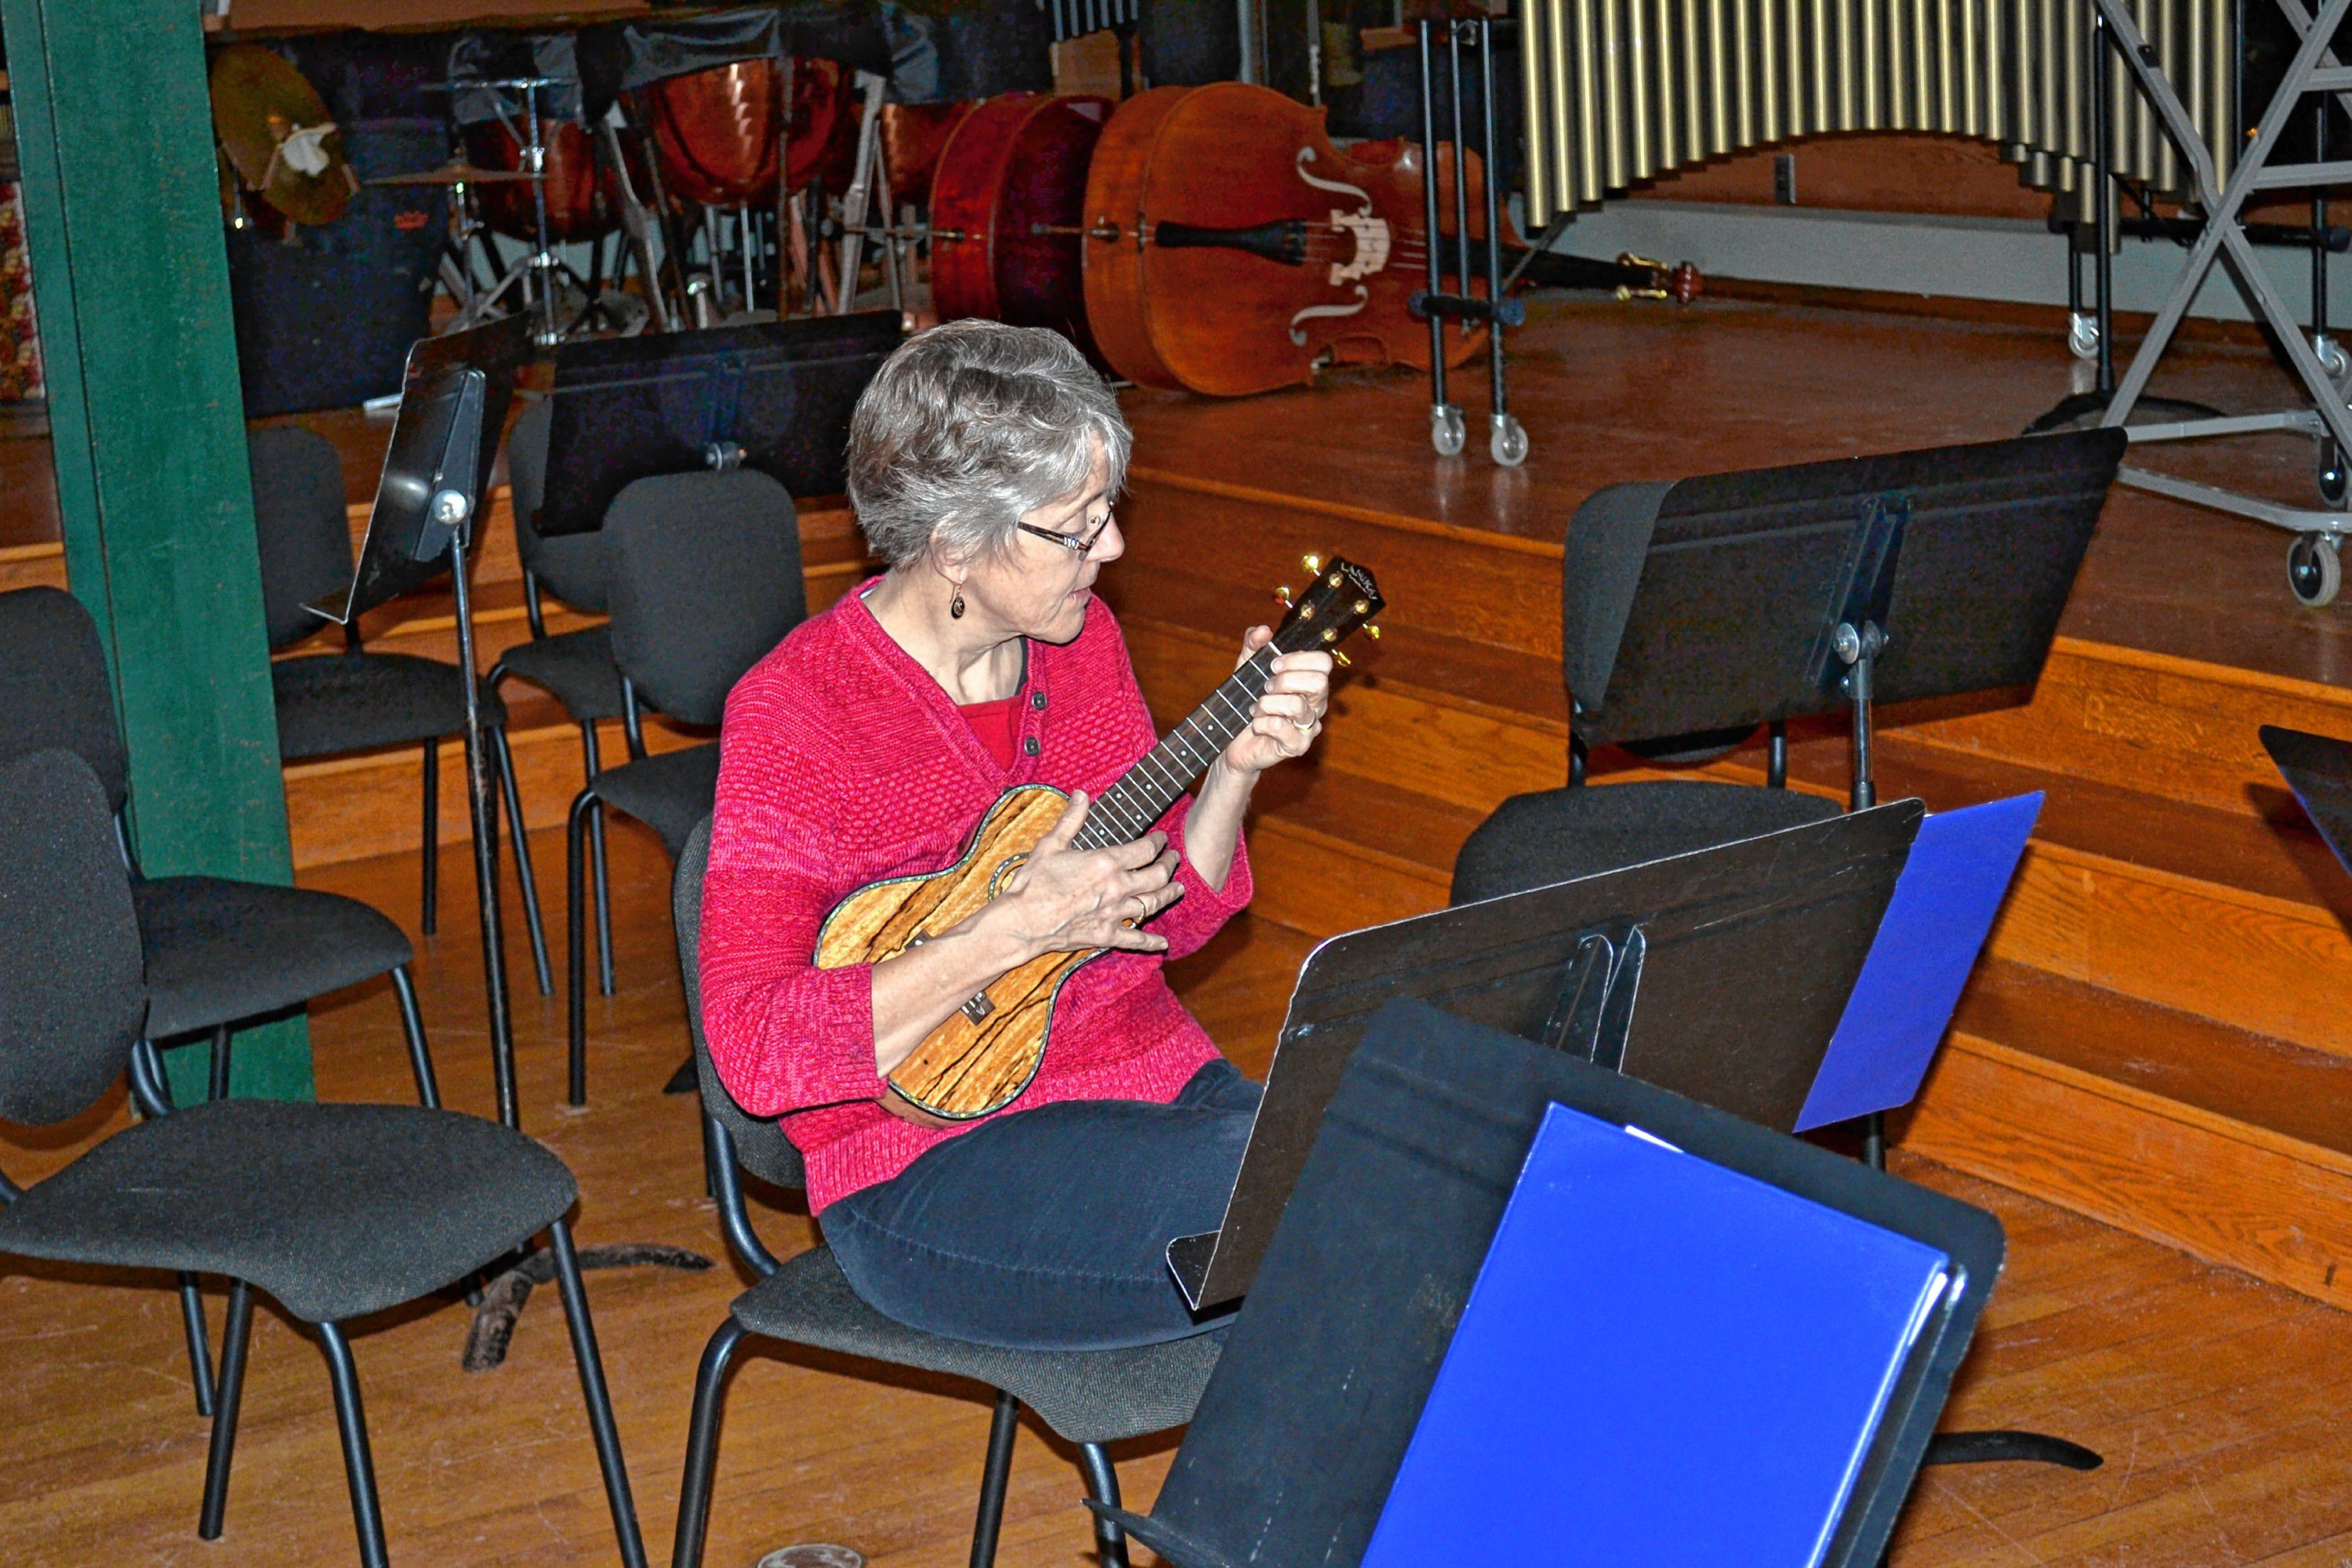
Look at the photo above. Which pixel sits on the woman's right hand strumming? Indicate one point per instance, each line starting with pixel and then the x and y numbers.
pixel 1059 899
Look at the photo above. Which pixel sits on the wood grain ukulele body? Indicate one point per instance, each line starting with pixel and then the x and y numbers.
pixel 982 1056
pixel 989 1049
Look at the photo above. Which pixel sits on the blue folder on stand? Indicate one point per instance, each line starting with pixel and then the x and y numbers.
pixel 1663 1363
pixel 1935 926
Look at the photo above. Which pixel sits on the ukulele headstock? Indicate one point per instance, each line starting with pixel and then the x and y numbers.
pixel 1339 597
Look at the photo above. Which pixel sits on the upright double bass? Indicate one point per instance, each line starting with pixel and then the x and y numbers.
pixel 1232 248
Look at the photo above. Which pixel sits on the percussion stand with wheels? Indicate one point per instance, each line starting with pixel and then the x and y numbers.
pixel 1507 439
pixel 2313 573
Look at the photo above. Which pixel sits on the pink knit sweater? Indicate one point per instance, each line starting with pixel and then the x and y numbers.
pixel 841 762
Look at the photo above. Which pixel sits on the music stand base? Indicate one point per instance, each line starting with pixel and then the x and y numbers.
pixel 503 1298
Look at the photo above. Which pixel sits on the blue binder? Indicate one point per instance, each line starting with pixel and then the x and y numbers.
pixel 1935 926
pixel 1662 1362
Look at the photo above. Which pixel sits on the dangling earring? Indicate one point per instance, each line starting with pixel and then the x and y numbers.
pixel 955 607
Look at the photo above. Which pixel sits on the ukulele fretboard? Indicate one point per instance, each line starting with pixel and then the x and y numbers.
pixel 1125 812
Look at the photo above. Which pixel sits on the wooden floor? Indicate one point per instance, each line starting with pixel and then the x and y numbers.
pixel 2219 1400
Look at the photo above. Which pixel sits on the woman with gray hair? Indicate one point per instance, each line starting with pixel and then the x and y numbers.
pixel 984 461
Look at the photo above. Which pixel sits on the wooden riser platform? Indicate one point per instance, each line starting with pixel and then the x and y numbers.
pixel 2157 1038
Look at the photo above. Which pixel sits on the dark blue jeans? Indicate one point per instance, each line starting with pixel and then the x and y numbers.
pixel 1047 1229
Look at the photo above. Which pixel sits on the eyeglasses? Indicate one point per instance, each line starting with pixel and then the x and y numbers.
pixel 1077 544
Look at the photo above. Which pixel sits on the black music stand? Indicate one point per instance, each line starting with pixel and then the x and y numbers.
pixel 1298 1436
pixel 1703 609
pixel 775 396
pixel 452 404
pixel 1741 959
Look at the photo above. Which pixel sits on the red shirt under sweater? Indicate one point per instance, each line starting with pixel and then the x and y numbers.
pixel 841 762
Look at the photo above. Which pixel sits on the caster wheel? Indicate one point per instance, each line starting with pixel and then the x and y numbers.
pixel 2333 482
pixel 2313 574
pixel 2082 335
pixel 1508 444
pixel 1447 432
pixel 2332 358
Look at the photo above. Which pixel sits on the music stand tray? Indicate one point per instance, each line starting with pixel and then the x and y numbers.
pixel 1715 604
pixel 1298 1437
pixel 1740 958
pixel 774 396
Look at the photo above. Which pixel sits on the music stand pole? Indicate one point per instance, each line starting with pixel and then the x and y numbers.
pixel 461 515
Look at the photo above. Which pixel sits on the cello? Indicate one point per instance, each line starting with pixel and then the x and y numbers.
pixel 1231 248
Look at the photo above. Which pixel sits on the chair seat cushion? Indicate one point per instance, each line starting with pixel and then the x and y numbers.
pixel 1559 835
pixel 336 1211
pixel 576 666
pixel 1088 1396
pixel 219 951
pixel 668 792
pixel 341 702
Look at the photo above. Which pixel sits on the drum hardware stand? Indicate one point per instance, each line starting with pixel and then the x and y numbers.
pixel 541 271
pixel 858 221
pixel 635 220
pixel 2313 573
pixel 1508 439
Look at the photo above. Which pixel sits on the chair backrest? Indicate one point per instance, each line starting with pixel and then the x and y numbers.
pixel 760 1146
pixel 54 689
pixel 73 990
pixel 570 565
pixel 302 524
pixel 706 578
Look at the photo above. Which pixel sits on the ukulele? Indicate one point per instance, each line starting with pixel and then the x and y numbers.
pixel 989 1050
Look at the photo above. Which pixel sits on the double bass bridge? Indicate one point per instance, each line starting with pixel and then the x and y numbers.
pixel 1372 236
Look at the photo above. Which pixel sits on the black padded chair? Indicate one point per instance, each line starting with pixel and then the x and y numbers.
pixel 705 579
pixel 1555 836
pixel 575 666
pixel 217 953
pixel 1089 1398
pixel 329 704
pixel 335 1211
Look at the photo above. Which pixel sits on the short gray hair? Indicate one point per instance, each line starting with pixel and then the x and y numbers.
pixel 969 425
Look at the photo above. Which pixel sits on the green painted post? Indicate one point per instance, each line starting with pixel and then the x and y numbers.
pixel 114 127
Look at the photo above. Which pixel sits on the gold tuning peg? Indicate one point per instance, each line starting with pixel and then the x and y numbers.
pixel 1312 563
pixel 1283 593
pixel 1341 659
pixel 1371 631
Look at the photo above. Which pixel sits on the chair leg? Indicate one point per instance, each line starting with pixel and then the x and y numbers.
pixel 359 1466
pixel 217 1088
pixel 432 865
pixel 599 1399
pixel 225 1402
pixel 702 1446
pixel 576 966
pixel 1002 1429
pixel 411 1023
pixel 594 763
pixel 1102 1485
pixel 200 1350
pixel 523 872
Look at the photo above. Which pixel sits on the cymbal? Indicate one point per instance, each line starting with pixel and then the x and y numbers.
pixel 278 135
pixel 454 175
